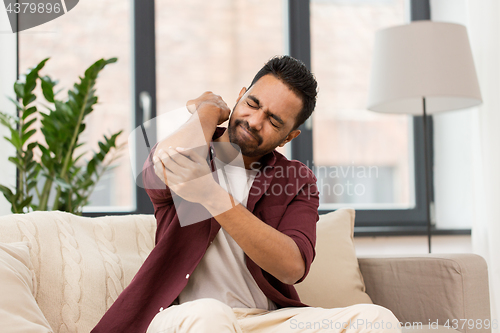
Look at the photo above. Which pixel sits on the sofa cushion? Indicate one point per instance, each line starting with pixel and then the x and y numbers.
pixel 334 279
pixel 81 264
pixel 19 312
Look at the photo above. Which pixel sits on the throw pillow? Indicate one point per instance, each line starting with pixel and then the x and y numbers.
pixel 334 279
pixel 19 312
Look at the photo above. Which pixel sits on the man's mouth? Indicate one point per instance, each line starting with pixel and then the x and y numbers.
pixel 249 134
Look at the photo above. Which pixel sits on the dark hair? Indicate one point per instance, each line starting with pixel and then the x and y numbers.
pixel 297 77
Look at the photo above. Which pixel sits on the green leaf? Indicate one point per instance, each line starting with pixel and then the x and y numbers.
pixel 48 88
pixel 33 169
pixel 19 89
pixel 32 76
pixel 112 140
pixel 62 183
pixel 44 150
pixel 8 120
pixel 104 148
pixel 29 112
pixel 78 157
pixel 16 103
pixel 7 193
pixel 30 85
pixel 91 167
pixel 25 202
pixel 28 124
pixel 87 183
pixel 27 135
pixel 15 140
pixel 29 98
pixel 17 162
pixel 32 145
pixel 31 185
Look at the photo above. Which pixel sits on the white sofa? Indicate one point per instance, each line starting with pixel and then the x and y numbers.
pixel 80 265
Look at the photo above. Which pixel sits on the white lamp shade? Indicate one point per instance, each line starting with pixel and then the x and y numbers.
pixel 423 59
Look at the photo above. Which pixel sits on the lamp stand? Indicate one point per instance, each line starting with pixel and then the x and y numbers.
pixel 427 178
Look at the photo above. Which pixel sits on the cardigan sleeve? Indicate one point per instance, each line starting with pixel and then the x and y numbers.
pixel 299 220
pixel 156 189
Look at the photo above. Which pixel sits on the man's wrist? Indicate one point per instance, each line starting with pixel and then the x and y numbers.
pixel 220 201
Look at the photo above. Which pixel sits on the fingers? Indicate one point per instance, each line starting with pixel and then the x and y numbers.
pixel 175 166
pixel 165 175
pixel 159 169
pixel 192 155
pixel 210 98
pixel 173 161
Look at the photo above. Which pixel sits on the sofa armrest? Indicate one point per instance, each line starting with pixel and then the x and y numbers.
pixel 431 288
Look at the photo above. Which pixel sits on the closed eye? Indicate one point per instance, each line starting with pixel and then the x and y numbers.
pixel 271 120
pixel 252 106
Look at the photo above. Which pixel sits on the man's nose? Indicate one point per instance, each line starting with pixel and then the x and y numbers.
pixel 256 120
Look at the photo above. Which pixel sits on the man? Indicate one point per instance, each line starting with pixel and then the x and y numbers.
pixel 234 271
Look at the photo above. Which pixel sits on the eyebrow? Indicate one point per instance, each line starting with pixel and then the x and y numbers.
pixel 256 101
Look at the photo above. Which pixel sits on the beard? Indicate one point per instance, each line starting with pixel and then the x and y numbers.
pixel 249 147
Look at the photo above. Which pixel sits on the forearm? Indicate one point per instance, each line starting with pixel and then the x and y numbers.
pixel 196 132
pixel 273 251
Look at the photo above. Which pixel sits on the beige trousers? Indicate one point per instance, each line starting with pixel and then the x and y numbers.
pixel 211 316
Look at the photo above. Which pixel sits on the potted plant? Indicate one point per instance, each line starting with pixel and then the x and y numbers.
pixel 53 168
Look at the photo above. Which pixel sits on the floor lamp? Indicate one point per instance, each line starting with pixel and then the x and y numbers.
pixel 419 69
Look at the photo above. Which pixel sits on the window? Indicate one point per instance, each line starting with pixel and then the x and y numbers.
pixel 362 159
pixel 90 31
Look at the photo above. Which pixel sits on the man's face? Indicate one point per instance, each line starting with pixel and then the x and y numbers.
pixel 264 116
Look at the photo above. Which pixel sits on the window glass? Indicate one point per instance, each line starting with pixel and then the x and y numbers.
pixel 213 46
pixel 90 31
pixel 361 158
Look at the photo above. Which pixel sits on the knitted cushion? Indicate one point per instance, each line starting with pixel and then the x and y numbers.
pixel 81 264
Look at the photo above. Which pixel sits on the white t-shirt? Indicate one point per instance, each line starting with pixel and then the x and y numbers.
pixel 222 273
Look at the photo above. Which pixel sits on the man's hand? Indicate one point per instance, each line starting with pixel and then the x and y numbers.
pixel 186 173
pixel 210 102
pixel 209 110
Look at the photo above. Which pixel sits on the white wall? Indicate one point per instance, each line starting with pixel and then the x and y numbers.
pixel 8 58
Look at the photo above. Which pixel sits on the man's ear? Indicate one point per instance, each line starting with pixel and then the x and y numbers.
pixel 242 92
pixel 292 135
